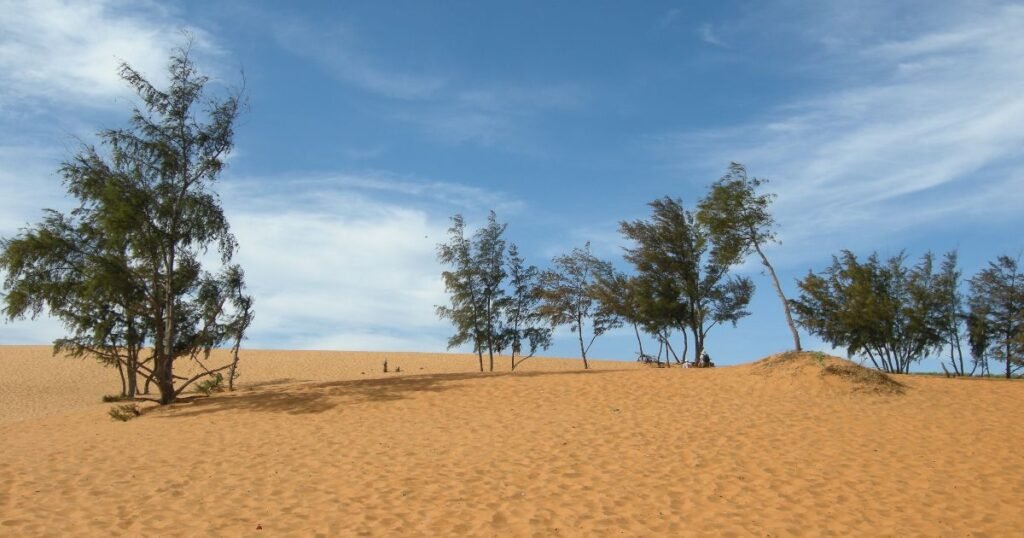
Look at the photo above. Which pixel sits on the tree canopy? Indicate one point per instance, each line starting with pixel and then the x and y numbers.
pixel 733 208
pixel 682 269
pixel 882 310
pixel 124 268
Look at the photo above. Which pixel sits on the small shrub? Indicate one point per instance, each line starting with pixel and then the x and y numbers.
pixel 819 357
pixel 125 412
pixel 211 384
pixel 109 398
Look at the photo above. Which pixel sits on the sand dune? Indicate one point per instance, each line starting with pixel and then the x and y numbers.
pixel 321 443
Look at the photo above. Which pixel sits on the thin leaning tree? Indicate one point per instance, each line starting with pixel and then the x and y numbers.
pixel 568 298
pixel 734 207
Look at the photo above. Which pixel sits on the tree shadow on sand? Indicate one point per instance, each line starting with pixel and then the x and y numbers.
pixel 316 397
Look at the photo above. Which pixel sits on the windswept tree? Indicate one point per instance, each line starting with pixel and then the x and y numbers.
pixel 638 301
pixel 523 320
pixel 880 310
pixel 951 316
pixel 489 263
pixel 464 285
pixel 616 297
pixel 129 256
pixel 475 284
pixel 567 296
pixel 685 269
pixel 734 207
pixel 997 314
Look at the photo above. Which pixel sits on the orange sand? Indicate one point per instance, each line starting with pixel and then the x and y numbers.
pixel 310 446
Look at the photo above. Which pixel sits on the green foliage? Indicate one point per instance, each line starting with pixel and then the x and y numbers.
pixel 125 412
pixel 682 272
pixel 462 282
pixel 568 298
pixel 733 209
pixel 210 385
pixel 996 320
pixel 123 269
pixel 884 311
pixel 489 265
pixel 737 215
pixel 523 321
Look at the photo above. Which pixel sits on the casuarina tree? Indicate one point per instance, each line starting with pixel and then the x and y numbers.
pixel 129 255
pixel 684 268
pixel 523 320
pixel 883 311
pixel 567 297
pixel 734 207
pixel 463 283
pixel 997 314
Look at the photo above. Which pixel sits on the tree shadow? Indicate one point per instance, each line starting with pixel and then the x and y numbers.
pixel 303 398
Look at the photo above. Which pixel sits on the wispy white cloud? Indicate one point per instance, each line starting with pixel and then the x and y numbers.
pixel 68 52
pixel 669 17
pixel 338 52
pixel 931 132
pixel 492 117
pixel 443 106
pixel 313 188
pixel 706 32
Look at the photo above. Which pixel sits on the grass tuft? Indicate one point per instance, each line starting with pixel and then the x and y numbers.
pixel 125 412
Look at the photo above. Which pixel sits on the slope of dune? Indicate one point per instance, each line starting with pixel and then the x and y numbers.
pixel 323 444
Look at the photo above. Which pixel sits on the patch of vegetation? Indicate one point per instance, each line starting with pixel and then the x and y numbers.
pixel 125 412
pixel 864 379
pixel 208 386
pixel 110 398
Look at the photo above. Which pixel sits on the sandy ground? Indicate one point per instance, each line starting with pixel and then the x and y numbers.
pixel 325 444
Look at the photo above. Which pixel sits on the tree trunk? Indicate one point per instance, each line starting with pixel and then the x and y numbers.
pixel 233 371
pixel 165 381
pixel 480 355
pixel 165 367
pixel 1007 357
pixel 133 371
pixel 120 371
pixel 583 350
pixel 698 346
pixel 639 342
pixel 490 334
pixel 782 297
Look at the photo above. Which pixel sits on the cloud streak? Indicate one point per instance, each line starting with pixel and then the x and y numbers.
pixel 442 106
pixel 68 52
pixel 932 133
pixel 706 32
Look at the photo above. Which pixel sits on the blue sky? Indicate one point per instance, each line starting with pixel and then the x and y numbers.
pixel 881 125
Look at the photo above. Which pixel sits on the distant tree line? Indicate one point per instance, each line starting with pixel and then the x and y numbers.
pixel 123 271
pixel 681 284
pixel 894 315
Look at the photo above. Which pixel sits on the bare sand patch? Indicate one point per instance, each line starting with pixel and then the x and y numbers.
pixel 307 449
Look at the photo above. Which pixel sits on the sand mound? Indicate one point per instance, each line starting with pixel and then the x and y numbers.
pixel 819 369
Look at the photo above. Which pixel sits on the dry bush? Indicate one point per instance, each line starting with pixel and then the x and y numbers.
pixel 125 412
